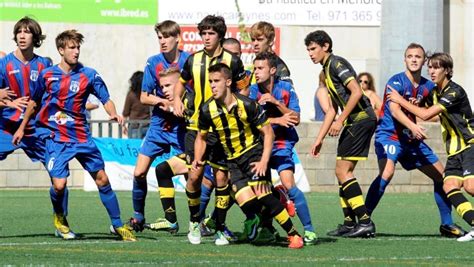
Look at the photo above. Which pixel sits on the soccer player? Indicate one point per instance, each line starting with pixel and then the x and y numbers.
pixel 166 132
pixel 212 30
pixel 61 122
pixel 238 123
pixel 449 100
pixel 19 73
pixel 281 105
pixel 262 34
pixel 399 139
pixel 357 122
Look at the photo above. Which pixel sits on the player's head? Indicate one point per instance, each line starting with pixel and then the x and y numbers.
pixel 220 79
pixel 135 82
pixel 27 33
pixel 440 67
pixel 212 30
pixel 366 81
pixel 168 33
pixel 262 34
pixel 233 46
pixel 168 80
pixel 319 45
pixel 265 64
pixel 68 44
pixel 415 57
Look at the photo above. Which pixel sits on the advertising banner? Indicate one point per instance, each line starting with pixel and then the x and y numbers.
pixel 277 12
pixel 120 156
pixel 82 11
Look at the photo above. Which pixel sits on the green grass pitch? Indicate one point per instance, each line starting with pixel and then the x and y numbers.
pixel 407 234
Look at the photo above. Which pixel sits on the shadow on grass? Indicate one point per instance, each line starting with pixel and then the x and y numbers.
pixel 79 236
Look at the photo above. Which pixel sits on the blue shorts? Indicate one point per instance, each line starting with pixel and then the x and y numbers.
pixel 282 159
pixel 158 142
pixel 33 146
pixel 410 156
pixel 209 175
pixel 58 155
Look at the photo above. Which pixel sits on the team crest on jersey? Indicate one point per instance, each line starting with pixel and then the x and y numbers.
pixel 239 112
pixel 60 118
pixel 34 75
pixel 74 87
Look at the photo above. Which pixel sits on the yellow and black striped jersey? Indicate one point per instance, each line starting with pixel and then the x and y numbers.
pixel 457 122
pixel 338 73
pixel 196 75
pixel 237 128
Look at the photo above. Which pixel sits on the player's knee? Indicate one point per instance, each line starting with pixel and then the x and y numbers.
pixel 139 175
pixel 101 178
pixel 469 186
pixel 60 186
pixel 451 184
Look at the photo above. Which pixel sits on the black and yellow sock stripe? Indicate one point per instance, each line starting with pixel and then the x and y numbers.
pixel 353 194
pixel 462 205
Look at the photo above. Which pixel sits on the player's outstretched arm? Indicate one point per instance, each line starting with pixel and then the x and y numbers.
pixel 356 94
pixel 328 120
pixel 178 106
pixel 199 149
pixel 417 131
pixel 112 111
pixel 421 112
pixel 260 167
pixel 29 112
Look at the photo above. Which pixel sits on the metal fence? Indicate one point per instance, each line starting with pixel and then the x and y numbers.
pixel 107 128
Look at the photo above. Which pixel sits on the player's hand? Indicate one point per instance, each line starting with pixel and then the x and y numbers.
pixel 336 128
pixel 19 103
pixel 418 132
pixel 17 137
pixel 259 168
pixel 178 108
pixel 394 96
pixel 316 149
pixel 7 93
pixel 196 165
pixel 124 130
pixel 267 98
pixel 117 118
pixel 288 120
pixel 166 105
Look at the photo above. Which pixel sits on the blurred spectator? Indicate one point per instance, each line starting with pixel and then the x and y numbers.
pixel 366 81
pixel 134 109
pixel 91 104
pixel 321 99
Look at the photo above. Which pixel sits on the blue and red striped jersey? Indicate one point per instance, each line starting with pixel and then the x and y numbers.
pixel 284 92
pixel 63 96
pixel 151 84
pixel 23 80
pixel 388 126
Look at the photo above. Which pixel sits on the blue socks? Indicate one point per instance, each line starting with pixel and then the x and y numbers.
pixel 205 197
pixel 301 206
pixel 375 193
pixel 444 205
pixel 60 202
pixel 109 199
pixel 140 189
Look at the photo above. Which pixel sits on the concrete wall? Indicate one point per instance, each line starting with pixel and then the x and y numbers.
pixel 17 171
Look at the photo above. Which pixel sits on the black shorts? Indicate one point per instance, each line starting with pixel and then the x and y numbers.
pixel 240 170
pixel 461 165
pixel 214 154
pixel 354 143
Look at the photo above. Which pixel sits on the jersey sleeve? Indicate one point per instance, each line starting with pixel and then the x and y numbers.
pixel 40 87
pixel 395 84
pixel 204 121
pixel 451 97
pixel 99 89
pixel 294 103
pixel 187 72
pixel 343 71
pixel 239 75
pixel 149 81
pixel 256 115
pixel 283 72
pixel 253 94
pixel 3 75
